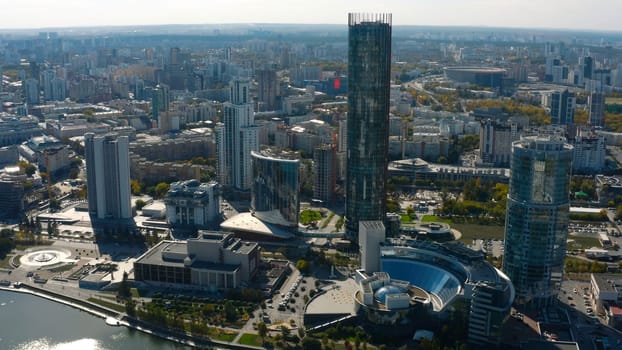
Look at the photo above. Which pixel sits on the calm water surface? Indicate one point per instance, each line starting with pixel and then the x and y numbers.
pixel 31 323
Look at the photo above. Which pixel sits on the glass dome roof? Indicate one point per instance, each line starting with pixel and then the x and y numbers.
pixel 381 294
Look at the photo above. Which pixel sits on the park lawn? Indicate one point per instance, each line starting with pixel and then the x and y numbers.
pixel 250 339
pixel 221 335
pixel 307 216
pixel 434 218
pixel 62 267
pixel 406 219
pixel 6 262
pixel 475 231
pixel 582 242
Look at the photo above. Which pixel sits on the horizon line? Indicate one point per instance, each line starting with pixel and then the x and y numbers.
pixel 590 30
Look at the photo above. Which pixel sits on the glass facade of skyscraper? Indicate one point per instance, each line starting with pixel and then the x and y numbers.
pixel 537 217
pixel 275 187
pixel 369 70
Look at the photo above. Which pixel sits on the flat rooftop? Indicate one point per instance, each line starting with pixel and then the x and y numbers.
pixel 154 257
pixel 338 299
pixel 602 280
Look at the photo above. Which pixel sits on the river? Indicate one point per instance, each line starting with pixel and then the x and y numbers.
pixel 28 322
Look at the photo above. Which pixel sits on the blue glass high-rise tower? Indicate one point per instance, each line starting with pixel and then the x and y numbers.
pixel 537 217
pixel 369 71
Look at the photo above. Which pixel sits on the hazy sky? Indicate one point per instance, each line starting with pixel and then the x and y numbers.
pixel 571 14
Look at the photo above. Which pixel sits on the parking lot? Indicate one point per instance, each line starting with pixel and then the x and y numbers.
pixel 288 302
pixel 577 295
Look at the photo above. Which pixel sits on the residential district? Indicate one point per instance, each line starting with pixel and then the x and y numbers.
pixel 318 187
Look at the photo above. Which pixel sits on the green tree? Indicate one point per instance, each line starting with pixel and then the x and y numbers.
pixel 130 307
pixel 309 343
pixel 124 290
pixel 76 162
pixel 393 206
pixel 140 204
pixel 6 245
pixel 136 187
pixel 161 189
pixel 198 161
pixel 230 311
pixel 302 265
pixel 301 332
pixel 262 330
pixel 27 168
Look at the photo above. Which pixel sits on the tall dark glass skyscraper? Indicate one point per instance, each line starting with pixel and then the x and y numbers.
pixel 369 70
pixel 537 216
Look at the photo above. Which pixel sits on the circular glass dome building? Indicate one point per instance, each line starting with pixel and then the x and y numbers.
pixel 381 294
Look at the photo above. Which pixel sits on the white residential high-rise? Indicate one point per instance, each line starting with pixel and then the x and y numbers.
pixel 237 137
pixel 108 176
pixel 371 234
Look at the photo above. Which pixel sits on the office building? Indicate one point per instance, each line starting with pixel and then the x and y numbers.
pixel 50 154
pixel 537 217
pixel 325 176
pixel 596 103
pixel 489 310
pixel 486 77
pixel 369 71
pixel 16 129
pixel 31 91
pixel 587 65
pixel 268 89
pixel 563 105
pixel 193 204
pixel 11 196
pixel 211 261
pixel 108 176
pixel 160 102
pixel 237 137
pixel 276 187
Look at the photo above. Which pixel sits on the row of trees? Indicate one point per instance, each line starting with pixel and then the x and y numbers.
pixel 158 190
pixel 574 265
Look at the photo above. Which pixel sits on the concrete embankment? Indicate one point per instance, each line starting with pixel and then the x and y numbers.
pixel 91 308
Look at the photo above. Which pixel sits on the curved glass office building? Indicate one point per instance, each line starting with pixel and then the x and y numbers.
pixel 275 187
pixel 369 71
pixel 537 217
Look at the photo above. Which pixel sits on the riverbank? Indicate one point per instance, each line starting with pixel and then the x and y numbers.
pixel 124 320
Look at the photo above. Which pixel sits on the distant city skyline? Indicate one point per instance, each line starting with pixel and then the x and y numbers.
pixel 601 15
